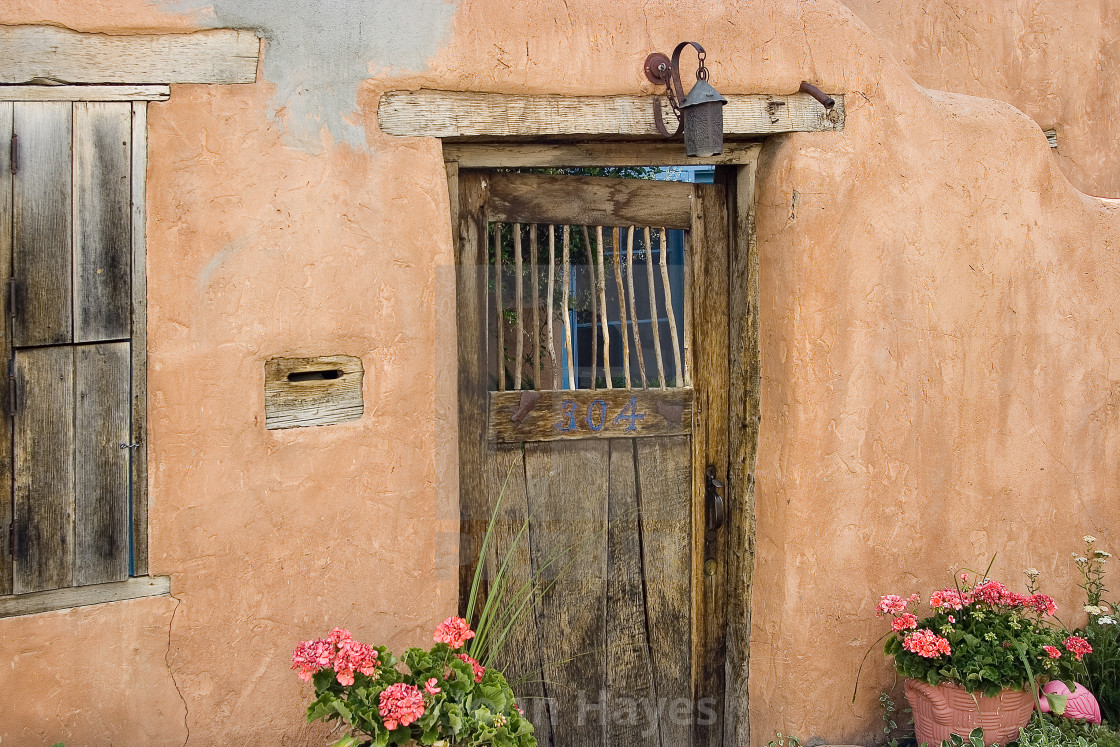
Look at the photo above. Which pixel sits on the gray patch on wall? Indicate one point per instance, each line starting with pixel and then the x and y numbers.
pixel 318 51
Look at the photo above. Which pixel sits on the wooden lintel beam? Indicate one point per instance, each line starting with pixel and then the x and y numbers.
pixel 38 54
pixel 463 114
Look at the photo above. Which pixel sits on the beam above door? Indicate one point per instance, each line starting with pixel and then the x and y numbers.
pixel 494 116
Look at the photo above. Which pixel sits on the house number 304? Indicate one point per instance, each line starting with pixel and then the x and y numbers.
pixel 572 419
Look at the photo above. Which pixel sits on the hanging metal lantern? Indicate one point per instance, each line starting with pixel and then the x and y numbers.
pixel 700 114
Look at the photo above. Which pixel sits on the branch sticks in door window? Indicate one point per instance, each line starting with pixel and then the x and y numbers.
pixel 617 245
pixel 634 308
pixel 594 307
pixel 654 322
pixel 601 290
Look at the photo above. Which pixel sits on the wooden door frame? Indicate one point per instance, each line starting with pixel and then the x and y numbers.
pixel 736 170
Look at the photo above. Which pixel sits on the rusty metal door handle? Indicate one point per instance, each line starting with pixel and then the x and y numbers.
pixel 714 502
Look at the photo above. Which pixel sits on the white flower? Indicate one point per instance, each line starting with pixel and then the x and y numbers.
pixel 1091 609
pixel 1106 620
pixel 1101 554
pixel 1032 573
pixel 1089 539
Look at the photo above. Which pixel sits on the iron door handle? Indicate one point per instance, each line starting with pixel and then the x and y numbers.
pixel 715 506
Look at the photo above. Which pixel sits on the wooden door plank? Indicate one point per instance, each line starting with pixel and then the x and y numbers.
pixel 630 685
pixel 520 653
pixel 5 346
pixel 664 488
pixel 41 215
pixel 101 469
pixel 470 298
pixel 589 200
pixel 710 299
pixel 743 424
pixel 469 114
pixel 102 220
pixel 567 487
pixel 44 468
pixel 139 439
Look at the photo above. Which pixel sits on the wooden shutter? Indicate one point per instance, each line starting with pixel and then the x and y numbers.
pixel 70 342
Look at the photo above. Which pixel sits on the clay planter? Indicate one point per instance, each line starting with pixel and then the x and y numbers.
pixel 949 709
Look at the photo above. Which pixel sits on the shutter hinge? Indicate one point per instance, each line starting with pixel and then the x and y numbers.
pixel 12 285
pixel 13 402
pixel 13 543
pixel 13 154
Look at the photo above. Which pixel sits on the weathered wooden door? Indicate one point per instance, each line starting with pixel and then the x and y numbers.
pixel 594 418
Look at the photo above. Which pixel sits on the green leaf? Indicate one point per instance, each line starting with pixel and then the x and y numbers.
pixel 1057 702
pixel 347 741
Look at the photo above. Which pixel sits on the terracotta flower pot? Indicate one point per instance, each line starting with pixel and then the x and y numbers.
pixel 950 709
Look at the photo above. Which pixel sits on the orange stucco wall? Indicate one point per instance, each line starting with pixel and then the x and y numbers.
pixel 940 367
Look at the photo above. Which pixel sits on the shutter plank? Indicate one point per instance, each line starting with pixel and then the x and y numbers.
pixel 102 220
pixel 5 346
pixel 44 468
pixel 101 466
pixel 139 458
pixel 41 212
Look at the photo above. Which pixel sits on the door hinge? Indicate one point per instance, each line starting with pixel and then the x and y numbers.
pixel 12 285
pixel 13 154
pixel 13 540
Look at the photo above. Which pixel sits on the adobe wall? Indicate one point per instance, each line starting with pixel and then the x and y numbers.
pixel 1054 60
pixel 941 374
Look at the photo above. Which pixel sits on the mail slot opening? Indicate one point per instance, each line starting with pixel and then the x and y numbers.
pixel 297 376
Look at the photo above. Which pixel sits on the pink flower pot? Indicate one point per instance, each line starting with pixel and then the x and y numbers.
pixel 949 709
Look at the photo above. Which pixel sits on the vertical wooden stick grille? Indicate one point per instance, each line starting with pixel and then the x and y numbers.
pixel 634 308
pixel 519 296
pixel 621 305
pixel 584 306
pixel 533 249
pixel 666 287
pixel 552 306
pixel 594 306
pixel 566 309
pixel 499 304
pixel 655 325
pixel 601 289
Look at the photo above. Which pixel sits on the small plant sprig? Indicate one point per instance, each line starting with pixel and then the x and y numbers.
pixel 786 740
pixel 896 735
pixel 1102 675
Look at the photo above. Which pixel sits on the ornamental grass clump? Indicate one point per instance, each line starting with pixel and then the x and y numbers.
pixel 440 696
pixel 982 637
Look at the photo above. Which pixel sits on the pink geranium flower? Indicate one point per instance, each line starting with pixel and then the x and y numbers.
pixel 430 686
pixel 1052 652
pixel 926 643
pixel 905 621
pixel 453 631
pixel 477 669
pixel 339 652
pixel 400 705
pixel 893 604
pixel 1077 646
pixel 1043 604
